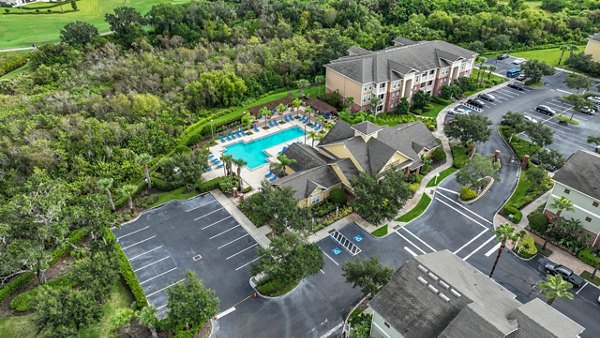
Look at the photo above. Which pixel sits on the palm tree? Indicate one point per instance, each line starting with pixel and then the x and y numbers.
pixel 239 162
pixel 482 70
pixel 283 163
pixel 504 233
pixel 106 184
pixel 560 204
pixel 296 103
pixel 302 84
pixel 481 61
pixel 281 108
pixel 309 111
pixel 491 68
pixel 247 120
pixel 563 49
pixel 144 159
pixel 319 79
pixel 555 286
pixel 226 159
pixel 349 101
pixel 315 136
pixel 375 102
pixel 147 317
pixel 129 190
pixel 572 49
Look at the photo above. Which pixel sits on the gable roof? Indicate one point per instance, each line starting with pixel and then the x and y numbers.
pixel 340 131
pixel 306 157
pixel 421 56
pixel 581 172
pixel 537 318
pixel 303 183
pixel 367 127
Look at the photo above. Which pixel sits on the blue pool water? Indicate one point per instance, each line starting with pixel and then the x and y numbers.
pixel 253 152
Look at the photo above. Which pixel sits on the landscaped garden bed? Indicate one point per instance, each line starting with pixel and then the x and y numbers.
pixel 417 210
pixel 276 288
pixel 380 232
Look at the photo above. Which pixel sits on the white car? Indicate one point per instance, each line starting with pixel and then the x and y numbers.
pixel 460 111
pixel 529 118
pixel 518 61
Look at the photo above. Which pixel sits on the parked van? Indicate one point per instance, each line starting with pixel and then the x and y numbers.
pixel 513 72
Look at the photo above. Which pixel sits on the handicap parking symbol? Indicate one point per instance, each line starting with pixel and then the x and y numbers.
pixel 358 238
pixel 336 251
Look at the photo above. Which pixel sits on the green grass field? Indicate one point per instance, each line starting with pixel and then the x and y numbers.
pixel 25 29
pixel 549 56
pixel 176 194
pixel 434 182
pixel 417 210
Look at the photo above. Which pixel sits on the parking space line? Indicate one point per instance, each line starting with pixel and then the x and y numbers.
pixel 210 213
pixel 252 261
pixel 239 252
pixel 564 91
pixel 166 287
pixel 460 212
pixel 147 265
pixel 162 274
pixel 448 190
pixel 471 241
pixel 466 209
pixel 511 94
pixel 410 251
pixel 492 250
pixel 162 306
pixel 581 288
pixel 333 260
pixel 133 232
pixel 479 248
pixel 225 313
pixel 143 253
pixel 140 242
pixel 420 240
pixel 323 272
pixel 409 241
pixel 222 232
pixel 221 220
pixel 224 245
pixel 201 205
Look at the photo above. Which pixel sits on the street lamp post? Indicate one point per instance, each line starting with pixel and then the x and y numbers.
pixel 212 129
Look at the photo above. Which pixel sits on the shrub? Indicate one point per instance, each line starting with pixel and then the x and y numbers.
pixel 324 208
pixel 460 155
pixel 181 149
pixel 338 196
pixel 538 222
pixel 26 300
pixel 15 285
pixel 509 210
pixel 517 216
pixel 526 247
pixel 204 186
pixel 162 185
pixel 467 194
pixel 438 155
pixel 587 256
pixel 194 139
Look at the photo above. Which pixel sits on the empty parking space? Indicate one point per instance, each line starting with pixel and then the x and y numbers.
pixel 199 235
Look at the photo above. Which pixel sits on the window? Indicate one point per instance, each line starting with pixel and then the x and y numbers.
pixel 418 78
pixel 381 96
pixel 315 199
pixel 365 99
pixel 588 219
pixel 382 85
pixel 386 324
pixel 395 84
pixel 430 83
pixel 445 71
pixel 567 191
pixel 595 204
pixel 462 65
pixel 431 72
pixel 365 88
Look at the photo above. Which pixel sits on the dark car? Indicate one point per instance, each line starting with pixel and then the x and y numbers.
pixel 476 102
pixel 487 97
pixel 545 110
pixel 503 56
pixel 566 273
pixel 516 85
pixel 521 77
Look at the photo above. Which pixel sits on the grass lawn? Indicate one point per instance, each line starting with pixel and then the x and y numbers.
pixel 26 67
pixel 549 56
pixel 21 326
pixel 417 210
pixel 22 30
pixel 433 182
pixel 460 155
pixel 176 194
pixel 495 78
pixel 436 108
pixel 381 231
pixel 588 275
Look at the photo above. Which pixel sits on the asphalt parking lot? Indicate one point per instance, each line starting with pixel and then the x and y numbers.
pixel 198 234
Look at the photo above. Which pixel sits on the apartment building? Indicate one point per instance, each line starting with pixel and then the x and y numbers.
pixel 396 72
pixel 593 47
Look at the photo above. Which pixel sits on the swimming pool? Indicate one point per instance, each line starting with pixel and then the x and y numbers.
pixel 253 152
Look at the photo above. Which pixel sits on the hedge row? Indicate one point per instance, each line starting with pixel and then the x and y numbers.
pixel 15 285
pixel 8 64
pixel 127 273
pixel 204 186
pixel 510 210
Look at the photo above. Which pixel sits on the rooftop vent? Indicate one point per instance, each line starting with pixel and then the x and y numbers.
pixel 434 277
pixel 422 268
pixel 443 284
pixel 422 280
pixel 454 292
pixel 444 297
pixel 432 288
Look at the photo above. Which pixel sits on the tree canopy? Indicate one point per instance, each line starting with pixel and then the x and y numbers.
pixel 469 128
pixel 368 274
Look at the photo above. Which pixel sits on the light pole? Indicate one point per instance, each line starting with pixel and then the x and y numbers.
pixel 212 129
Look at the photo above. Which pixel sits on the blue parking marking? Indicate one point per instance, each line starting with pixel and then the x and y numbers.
pixel 358 238
pixel 336 251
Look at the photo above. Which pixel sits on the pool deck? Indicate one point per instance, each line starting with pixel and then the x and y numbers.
pixel 254 177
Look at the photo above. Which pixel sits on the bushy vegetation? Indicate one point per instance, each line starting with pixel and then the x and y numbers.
pixel 532 184
pixel 10 63
pixel 460 155
pixel 526 247
pixel 467 194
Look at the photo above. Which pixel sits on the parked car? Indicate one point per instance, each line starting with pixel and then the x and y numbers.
pixel 529 118
pixel 503 56
pixel 518 61
pixel 545 110
pixel 487 97
pixel 588 110
pixel 594 99
pixel 521 77
pixel 476 102
pixel 516 85
pixel 566 273
pixel 458 111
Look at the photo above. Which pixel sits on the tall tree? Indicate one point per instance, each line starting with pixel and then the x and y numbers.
pixel 368 274
pixel 65 312
pixel 375 102
pixel 559 204
pixel 540 134
pixel 281 108
pixel 594 139
pixel 144 159
pixel 319 79
pixel 470 128
pixel 283 163
pixel 476 169
pixel 128 190
pixel 239 163
pixel 302 85
pixel 227 160
pixel 185 169
pixel 555 286
pixel 190 303
pixel 504 233
pixel 535 69
pixel 563 49
pixel 491 68
pixel 105 184
pixel 578 81
pixel 315 136
pixel 127 23
pixel 265 112
pixel 78 33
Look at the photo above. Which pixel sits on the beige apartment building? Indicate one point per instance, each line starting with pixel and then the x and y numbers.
pixel 593 47
pixel 396 72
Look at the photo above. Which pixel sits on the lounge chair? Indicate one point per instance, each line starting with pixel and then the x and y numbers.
pixel 273 178
pixel 306 121
pixel 222 139
pixel 269 173
pixel 256 128
pixel 232 135
pixel 271 124
pixel 238 134
pixel 220 166
pixel 286 118
pixel 282 150
pixel 211 156
pixel 275 122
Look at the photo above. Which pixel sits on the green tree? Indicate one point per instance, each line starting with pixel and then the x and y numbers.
pixel 96 273
pixel 315 136
pixel 215 88
pixel 516 121
pixel 128 190
pixel 289 258
pixel 281 108
pixel 227 160
pixel 368 274
pixel 147 317
pixel 65 312
pixel 247 120
pixel 190 304
pixel 277 205
pixel 144 159
pixel 555 286
pixel 283 163
pixel 563 49
pixel 420 100
pixel 559 204
pixel 239 163
pixel 78 33
pixel 105 184
pixel 535 69
pixel 540 134
pixel 379 197
pixel 265 112
pixel 594 139
pixel 375 102
pixel 491 68
pixel 349 101
pixel 122 318
pixel 296 103
pixel 578 81
pixel 403 106
pixel 550 159
pixel 476 169
pixel 185 169
pixel 319 79
pixel 127 23
pixel 469 128
pixel 302 85
pixel 74 5
pixel 504 233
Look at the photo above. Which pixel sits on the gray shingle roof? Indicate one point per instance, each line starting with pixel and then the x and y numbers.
pixel 536 318
pixel 303 183
pixel 581 172
pixel 367 128
pixel 356 50
pixel 375 67
pixel 399 41
pixel 306 157
pixel 340 131
pixel 348 168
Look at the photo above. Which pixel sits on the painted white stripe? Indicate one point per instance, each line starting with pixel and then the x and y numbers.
pixel 326 255
pixel 147 265
pixel 133 232
pixel 448 190
pixel 221 220
pixel 471 241
pixel 162 274
pixel 201 205
pixel 210 213
pixel 492 250
pixel 478 248
pixel 411 243
pixel 468 210
pixel 420 240
pixel 225 313
pixel 333 329
pixel 143 253
pixel 162 306
pixel 563 91
pixel 239 252
pixel 140 242
pixel 226 244
pixel 410 251
pixel 252 261
pixel 166 287
pixel 460 212
pixel 581 288
pixel 222 232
